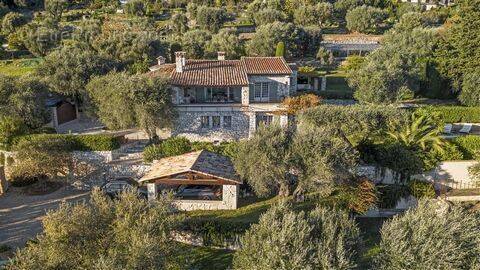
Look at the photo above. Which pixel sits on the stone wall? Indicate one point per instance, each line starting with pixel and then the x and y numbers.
pixel 188 124
pixel 448 174
pixel 229 200
pixel 3 181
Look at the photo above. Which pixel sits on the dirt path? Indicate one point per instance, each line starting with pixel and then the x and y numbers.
pixel 20 215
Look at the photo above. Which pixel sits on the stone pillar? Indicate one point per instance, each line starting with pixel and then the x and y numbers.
pixel 252 127
pixel 284 121
pixel 3 181
pixel 54 117
pixel 315 84
pixel 245 96
pixel 230 196
pixel 152 191
pixel 324 83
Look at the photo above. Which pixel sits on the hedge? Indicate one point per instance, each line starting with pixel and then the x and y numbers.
pixel 469 146
pixel 179 145
pixel 93 142
pixel 455 114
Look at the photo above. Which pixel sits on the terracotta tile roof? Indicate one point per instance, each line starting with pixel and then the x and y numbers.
pixel 217 73
pixel 202 161
pixel 211 73
pixel 266 66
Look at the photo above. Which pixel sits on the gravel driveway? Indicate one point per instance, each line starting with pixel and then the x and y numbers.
pixel 21 215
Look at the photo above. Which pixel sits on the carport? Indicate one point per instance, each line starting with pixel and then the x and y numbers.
pixel 200 168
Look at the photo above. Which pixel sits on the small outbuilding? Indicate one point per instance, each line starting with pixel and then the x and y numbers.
pixel 201 180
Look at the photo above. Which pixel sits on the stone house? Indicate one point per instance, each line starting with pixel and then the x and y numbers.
pixel 220 99
pixel 202 180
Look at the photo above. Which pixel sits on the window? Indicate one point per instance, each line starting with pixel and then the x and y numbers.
pixel 261 91
pixel 216 121
pixel 227 121
pixel 205 121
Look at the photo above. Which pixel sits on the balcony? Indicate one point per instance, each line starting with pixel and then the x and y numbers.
pixel 208 95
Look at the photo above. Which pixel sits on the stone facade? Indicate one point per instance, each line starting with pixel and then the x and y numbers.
pixel 229 200
pixel 189 123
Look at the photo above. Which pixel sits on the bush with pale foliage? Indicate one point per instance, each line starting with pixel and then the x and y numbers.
pixel 128 233
pixel 435 235
pixel 284 239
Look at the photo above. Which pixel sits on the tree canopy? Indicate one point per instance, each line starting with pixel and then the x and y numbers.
pixel 434 235
pixel 283 239
pixel 125 101
pixel 128 233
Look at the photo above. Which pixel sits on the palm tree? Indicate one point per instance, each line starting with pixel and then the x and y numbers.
pixel 419 133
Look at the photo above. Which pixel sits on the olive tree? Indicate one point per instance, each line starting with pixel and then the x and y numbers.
pixel 24 98
pixel 365 19
pixel 268 15
pixel 179 23
pixel 128 233
pixel 262 161
pixel 435 235
pixel 321 159
pixel 67 70
pixel 125 101
pixel 55 8
pixel 12 21
pixel 313 14
pixel 194 42
pixel 470 94
pixel 226 40
pixel 394 72
pixel 266 38
pixel 283 239
pixel 210 18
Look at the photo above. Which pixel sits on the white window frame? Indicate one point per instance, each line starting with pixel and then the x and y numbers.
pixel 261 91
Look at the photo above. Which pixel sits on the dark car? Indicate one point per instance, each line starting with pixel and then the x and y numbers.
pixel 113 188
pixel 202 192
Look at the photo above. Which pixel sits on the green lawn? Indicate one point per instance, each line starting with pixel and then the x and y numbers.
pixel 337 81
pixel 18 67
pixel 203 258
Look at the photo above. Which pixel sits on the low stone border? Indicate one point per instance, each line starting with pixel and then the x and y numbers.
pixel 463 198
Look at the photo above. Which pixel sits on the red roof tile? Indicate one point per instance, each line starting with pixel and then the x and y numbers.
pixel 266 66
pixel 218 73
pixel 211 73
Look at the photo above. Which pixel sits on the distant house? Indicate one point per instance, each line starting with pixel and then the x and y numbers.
pixel 429 4
pixel 223 99
pixel 343 45
pixel 62 111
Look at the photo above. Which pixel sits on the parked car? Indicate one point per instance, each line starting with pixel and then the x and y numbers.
pixel 199 192
pixel 114 187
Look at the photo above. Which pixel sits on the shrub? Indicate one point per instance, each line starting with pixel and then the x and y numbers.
pixel 389 195
pixel 468 145
pixel 336 95
pixel 94 142
pixel 454 114
pixel 23 181
pixel 420 189
pixel 432 236
pixel 179 145
pixel 2 159
pixel 135 8
pixel 299 103
pixel 171 147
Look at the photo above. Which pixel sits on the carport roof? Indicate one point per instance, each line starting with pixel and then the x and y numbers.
pixel 200 162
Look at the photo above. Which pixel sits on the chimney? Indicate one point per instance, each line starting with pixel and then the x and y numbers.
pixel 179 61
pixel 161 60
pixel 221 55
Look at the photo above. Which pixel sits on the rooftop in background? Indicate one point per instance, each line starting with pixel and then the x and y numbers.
pixel 203 162
pixel 351 38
